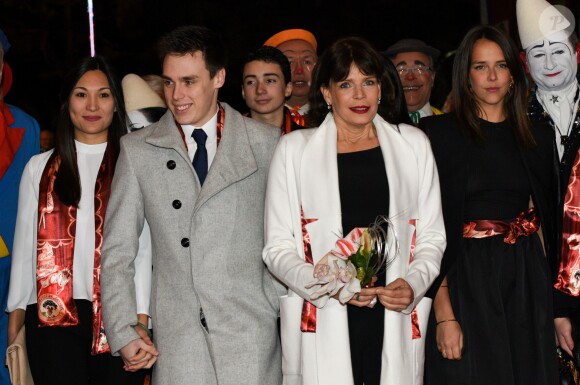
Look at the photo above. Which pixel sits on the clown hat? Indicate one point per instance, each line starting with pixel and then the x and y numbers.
pixel 292 34
pixel 138 94
pixel 538 19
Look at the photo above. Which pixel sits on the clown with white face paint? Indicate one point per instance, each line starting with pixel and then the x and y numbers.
pixel 553 63
pixel 551 55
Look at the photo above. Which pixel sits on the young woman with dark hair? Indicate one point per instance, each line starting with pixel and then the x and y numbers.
pixel 492 311
pixel 54 282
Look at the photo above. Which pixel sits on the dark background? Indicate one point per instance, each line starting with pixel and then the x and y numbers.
pixel 49 36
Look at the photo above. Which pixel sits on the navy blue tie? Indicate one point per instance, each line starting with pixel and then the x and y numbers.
pixel 200 157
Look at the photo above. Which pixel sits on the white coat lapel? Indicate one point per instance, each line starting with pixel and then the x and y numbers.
pixel 401 168
pixel 402 175
pixel 320 196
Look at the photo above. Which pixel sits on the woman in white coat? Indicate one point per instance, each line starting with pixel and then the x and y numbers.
pixel 325 181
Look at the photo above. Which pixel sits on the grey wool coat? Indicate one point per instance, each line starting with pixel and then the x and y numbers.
pixel 207 244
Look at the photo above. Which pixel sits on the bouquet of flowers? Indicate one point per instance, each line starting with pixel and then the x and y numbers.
pixel 356 258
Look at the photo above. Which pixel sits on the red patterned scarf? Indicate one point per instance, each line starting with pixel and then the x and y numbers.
pixel 568 280
pixel 55 251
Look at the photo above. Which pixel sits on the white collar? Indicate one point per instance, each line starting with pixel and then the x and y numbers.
pixel 90 148
pixel 568 93
pixel 210 128
pixel 426 110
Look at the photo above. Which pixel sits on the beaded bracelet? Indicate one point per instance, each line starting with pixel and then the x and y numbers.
pixel 144 327
pixel 446 320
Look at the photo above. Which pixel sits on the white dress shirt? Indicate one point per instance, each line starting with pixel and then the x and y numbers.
pixel 426 110
pixel 210 129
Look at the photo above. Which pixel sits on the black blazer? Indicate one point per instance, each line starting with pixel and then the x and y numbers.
pixel 452 149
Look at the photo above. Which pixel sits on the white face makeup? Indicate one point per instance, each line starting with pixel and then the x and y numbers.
pixel 552 62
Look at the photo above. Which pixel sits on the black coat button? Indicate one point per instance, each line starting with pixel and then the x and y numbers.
pixel 185 242
pixel 171 164
pixel 176 204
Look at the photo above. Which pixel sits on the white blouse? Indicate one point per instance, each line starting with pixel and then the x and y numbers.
pixel 22 290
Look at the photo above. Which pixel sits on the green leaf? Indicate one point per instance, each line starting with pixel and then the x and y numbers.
pixel 358 260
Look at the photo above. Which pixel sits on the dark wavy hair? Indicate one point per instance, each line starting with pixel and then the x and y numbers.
pixel 269 54
pixel 192 38
pixel 67 184
pixel 467 110
pixel 400 113
pixel 334 66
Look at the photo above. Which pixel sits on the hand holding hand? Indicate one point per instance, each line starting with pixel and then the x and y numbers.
pixel 397 295
pixel 140 353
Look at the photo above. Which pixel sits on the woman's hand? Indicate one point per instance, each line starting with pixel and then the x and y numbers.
pixel 449 339
pixel 397 295
pixel 364 298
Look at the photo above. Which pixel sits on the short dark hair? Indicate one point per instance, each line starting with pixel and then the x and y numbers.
pixel 192 38
pixel 67 184
pixel 269 54
pixel 334 66
pixel 467 109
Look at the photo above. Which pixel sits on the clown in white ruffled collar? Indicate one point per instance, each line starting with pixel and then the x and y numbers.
pixel 551 57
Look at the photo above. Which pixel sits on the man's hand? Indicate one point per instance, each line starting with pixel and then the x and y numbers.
pixel 140 353
pixel 397 295
pixel 564 334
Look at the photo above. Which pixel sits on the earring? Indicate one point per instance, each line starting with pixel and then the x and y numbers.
pixel 511 86
pixel 329 106
pixel 379 100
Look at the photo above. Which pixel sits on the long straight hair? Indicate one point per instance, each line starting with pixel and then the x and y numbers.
pixel 67 184
pixel 467 109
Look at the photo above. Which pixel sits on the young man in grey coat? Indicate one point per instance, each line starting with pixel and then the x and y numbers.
pixel 198 177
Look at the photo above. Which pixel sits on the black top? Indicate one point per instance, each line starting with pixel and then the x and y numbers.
pixel 497 185
pixel 363 186
pixel 364 195
pixel 456 156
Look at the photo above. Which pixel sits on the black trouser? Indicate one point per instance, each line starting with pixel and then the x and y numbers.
pixel 62 355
